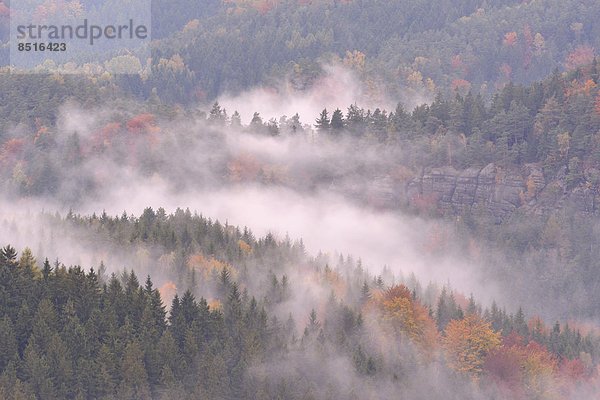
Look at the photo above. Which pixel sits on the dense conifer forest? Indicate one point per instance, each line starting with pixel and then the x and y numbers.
pixel 74 333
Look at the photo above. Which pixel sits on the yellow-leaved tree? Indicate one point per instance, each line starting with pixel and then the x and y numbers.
pixel 402 316
pixel 467 342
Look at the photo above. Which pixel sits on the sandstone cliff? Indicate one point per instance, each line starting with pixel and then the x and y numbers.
pixel 499 192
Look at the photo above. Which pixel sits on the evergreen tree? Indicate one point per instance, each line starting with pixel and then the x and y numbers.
pixel 133 377
pixel 323 123
pixel 337 120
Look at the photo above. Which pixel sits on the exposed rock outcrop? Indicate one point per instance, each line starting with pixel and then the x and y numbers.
pixel 490 189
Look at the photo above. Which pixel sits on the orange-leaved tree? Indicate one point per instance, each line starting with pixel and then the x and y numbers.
pixel 208 266
pixel 468 341
pixel 528 370
pixel 539 366
pixel 401 316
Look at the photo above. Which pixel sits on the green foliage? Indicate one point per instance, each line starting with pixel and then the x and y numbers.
pixel 79 338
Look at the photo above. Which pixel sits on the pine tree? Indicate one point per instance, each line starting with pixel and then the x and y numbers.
pixel 46 270
pixel 323 122
pixel 61 367
pixel 256 121
pixel 134 379
pixel 236 120
pixel 520 325
pixel 337 121
pixel 472 308
pixel 8 343
pixel 217 114
pixel 365 293
pixel 224 282
pixel 37 373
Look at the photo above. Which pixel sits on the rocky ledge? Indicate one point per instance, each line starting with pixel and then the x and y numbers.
pixel 490 189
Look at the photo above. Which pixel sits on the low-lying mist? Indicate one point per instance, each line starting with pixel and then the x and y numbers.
pixel 331 192
pixel 334 191
pixel 306 186
pixel 338 87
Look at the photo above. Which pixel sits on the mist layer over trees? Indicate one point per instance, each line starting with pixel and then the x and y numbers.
pixel 276 322
pixel 308 200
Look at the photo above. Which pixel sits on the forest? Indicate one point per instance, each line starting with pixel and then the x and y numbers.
pixel 399 49
pixel 306 199
pixel 75 333
pixel 538 145
pixel 235 316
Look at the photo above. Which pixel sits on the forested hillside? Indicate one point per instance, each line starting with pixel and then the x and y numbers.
pixel 71 333
pixel 307 199
pixel 401 49
pixel 551 124
pixel 517 178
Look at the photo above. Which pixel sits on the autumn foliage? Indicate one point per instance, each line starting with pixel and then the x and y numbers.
pixel 168 291
pixel 510 39
pixel 334 281
pixel 525 370
pixel 582 55
pixel 144 125
pixel 140 127
pixel 103 137
pixel 402 316
pixel 467 342
pixel 460 85
pixel 11 150
pixel 243 168
pixel 207 266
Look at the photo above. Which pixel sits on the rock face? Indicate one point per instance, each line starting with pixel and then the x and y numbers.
pixel 490 189
pixel 465 193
